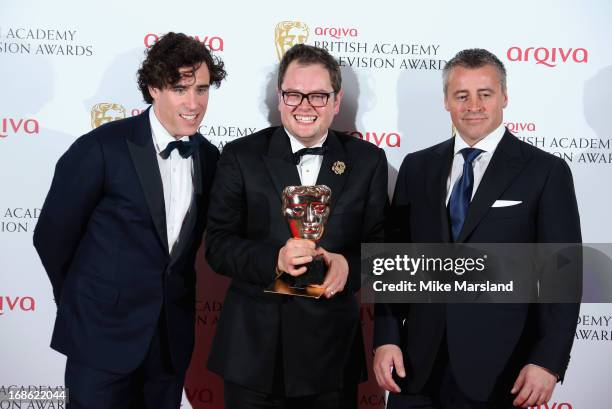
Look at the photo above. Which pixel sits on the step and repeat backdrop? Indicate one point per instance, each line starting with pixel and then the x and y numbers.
pixel 67 67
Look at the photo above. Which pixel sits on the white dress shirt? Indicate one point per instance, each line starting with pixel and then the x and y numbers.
pixel 309 165
pixel 177 179
pixel 488 144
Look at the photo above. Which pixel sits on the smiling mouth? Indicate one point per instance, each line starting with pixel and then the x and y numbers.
pixel 305 119
pixel 478 118
pixel 188 117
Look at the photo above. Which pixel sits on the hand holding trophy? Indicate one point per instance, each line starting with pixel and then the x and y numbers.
pixel 307 210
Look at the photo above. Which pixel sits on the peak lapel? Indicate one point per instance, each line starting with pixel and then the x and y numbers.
pixel 506 163
pixel 437 176
pixel 142 151
pixel 189 222
pixel 335 168
pixel 197 159
pixel 279 162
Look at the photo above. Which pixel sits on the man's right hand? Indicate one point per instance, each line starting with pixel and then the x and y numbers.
pixel 295 253
pixel 387 357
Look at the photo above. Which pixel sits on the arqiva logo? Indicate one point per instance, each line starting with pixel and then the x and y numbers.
pixel 214 43
pixel 17 125
pixel 8 303
pixel 388 139
pixel 336 32
pixel 548 56
pixel 553 405
pixel 517 127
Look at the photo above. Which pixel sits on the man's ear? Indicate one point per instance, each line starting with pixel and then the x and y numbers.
pixel 280 99
pixel 337 100
pixel 154 92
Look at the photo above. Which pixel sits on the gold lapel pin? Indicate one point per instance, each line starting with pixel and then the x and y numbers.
pixel 338 167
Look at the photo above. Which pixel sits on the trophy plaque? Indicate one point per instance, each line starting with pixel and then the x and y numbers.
pixel 306 209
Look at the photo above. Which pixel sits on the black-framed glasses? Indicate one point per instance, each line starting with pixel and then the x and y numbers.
pixel 316 99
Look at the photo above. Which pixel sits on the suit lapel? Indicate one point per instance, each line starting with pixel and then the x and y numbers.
pixel 143 153
pixel 189 222
pixel 197 166
pixel 506 163
pixel 185 233
pixel 335 168
pixel 437 178
pixel 279 162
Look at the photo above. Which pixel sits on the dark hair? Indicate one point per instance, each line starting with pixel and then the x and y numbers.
pixel 474 58
pixel 308 55
pixel 172 51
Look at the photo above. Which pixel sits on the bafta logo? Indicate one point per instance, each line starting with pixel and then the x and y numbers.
pixel 106 112
pixel 287 34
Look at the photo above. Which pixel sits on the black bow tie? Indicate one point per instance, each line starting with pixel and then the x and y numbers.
pixel 308 151
pixel 185 148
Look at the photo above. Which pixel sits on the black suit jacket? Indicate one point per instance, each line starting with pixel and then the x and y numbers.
pixel 486 342
pixel 284 344
pixel 102 239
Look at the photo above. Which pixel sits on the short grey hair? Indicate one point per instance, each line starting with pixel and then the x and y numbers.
pixel 474 58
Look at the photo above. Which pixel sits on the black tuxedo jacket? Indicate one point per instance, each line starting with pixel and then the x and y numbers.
pixel 487 343
pixel 102 239
pixel 276 343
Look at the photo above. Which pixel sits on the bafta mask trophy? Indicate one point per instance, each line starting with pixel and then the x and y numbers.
pixel 306 209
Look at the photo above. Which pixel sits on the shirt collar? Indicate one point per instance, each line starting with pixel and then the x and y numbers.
pixel 296 145
pixel 161 137
pixel 488 143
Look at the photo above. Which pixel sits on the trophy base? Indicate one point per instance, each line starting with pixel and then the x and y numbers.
pixel 308 284
pixel 279 286
pixel 314 275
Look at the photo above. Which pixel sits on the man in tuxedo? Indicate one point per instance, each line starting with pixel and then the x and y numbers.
pixel 281 351
pixel 477 355
pixel 118 235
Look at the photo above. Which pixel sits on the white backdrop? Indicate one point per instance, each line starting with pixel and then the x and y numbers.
pixel 60 59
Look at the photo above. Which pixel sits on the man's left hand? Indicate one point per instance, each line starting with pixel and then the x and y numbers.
pixel 534 386
pixel 337 272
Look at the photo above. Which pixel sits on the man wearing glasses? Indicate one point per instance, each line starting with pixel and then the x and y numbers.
pixel 286 351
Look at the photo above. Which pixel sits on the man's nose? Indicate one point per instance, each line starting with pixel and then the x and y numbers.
pixel 191 100
pixel 474 105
